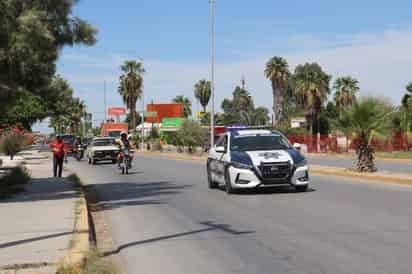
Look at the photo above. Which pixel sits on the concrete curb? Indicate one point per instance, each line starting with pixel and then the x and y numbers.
pixel 390 178
pixel 351 157
pixel 80 245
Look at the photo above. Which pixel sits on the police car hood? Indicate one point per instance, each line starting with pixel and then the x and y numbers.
pixel 269 156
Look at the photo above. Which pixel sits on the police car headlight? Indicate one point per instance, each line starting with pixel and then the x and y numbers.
pixel 241 165
pixel 301 163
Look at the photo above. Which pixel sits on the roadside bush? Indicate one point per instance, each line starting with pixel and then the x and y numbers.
pixel 74 179
pixel 11 143
pixel 154 133
pixel 13 181
pixel 190 135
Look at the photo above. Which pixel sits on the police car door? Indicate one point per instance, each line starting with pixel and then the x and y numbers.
pixel 222 154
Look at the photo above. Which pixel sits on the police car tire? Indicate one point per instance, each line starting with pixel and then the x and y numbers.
pixel 210 183
pixel 301 188
pixel 228 186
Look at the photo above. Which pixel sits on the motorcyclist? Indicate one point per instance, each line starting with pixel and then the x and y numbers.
pixel 123 144
pixel 78 142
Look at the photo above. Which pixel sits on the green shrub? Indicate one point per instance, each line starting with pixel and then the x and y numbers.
pixel 190 135
pixel 12 182
pixel 11 143
pixel 75 179
pixel 154 133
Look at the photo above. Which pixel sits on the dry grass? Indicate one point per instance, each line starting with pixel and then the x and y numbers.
pixel 93 264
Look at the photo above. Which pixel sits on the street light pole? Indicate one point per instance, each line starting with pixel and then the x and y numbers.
pixel 142 117
pixel 105 102
pixel 212 64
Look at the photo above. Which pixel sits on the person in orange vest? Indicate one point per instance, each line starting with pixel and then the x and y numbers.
pixel 59 152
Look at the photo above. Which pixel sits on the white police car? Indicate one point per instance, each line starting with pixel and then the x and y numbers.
pixel 244 159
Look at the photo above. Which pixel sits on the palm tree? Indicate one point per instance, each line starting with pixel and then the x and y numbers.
pixel 242 100
pixel 311 85
pixel 345 92
pixel 366 119
pixel 77 111
pixel 256 117
pixel 130 86
pixel 406 107
pixel 203 91
pixel 277 71
pixel 406 97
pixel 186 104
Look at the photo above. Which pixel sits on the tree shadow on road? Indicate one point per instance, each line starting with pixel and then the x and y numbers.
pixel 44 189
pixel 208 226
pixel 107 196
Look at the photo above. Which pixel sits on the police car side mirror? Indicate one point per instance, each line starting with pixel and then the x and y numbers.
pixel 297 146
pixel 220 149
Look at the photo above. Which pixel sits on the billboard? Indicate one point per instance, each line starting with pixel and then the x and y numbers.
pixel 117 111
pixel 164 111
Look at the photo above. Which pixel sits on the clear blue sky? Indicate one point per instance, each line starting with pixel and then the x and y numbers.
pixel 367 39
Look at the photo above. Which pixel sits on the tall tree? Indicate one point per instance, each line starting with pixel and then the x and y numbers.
pixel 186 104
pixel 277 71
pixel 406 98
pixel 32 34
pixel 345 92
pixel 311 85
pixel 241 110
pixel 131 86
pixel 406 109
pixel 203 91
pixel 77 111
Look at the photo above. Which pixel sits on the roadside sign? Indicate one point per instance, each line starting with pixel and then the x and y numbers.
pixel 149 114
pixel 171 122
pixel 117 111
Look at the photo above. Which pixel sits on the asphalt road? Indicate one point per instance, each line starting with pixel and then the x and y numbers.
pixel 165 220
pixel 349 163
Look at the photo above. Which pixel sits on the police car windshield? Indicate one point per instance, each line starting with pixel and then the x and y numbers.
pixel 259 142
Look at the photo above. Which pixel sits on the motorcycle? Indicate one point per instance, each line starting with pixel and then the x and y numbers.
pixel 79 152
pixel 125 162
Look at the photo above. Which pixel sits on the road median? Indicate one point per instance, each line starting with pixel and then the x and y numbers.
pixel 380 176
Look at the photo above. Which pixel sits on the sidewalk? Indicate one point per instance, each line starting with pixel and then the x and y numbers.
pixel 37 225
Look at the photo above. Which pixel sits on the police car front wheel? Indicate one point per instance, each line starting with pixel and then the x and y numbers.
pixel 301 188
pixel 228 186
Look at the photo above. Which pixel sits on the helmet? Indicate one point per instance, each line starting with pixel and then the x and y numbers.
pixel 123 133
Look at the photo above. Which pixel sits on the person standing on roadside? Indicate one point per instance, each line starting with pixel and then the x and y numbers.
pixel 59 152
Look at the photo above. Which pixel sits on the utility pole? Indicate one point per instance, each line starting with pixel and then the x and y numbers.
pixel 212 65
pixel 142 118
pixel 105 103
